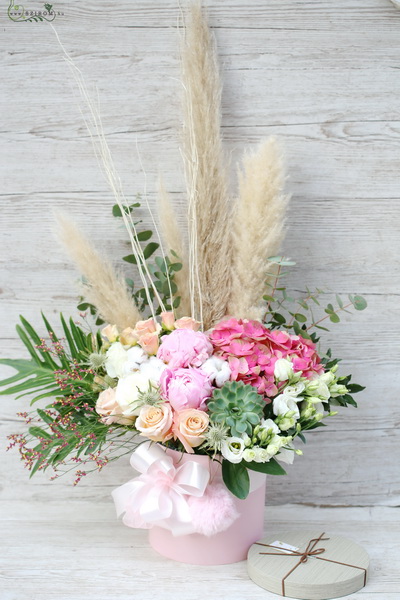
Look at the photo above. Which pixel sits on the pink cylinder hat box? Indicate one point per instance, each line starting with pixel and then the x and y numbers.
pixel 229 546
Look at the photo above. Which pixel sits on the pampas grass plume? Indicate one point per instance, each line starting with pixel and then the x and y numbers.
pixel 103 287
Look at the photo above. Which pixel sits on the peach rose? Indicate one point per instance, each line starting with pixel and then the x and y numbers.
pixel 187 323
pixel 149 342
pixel 109 410
pixel 155 422
pixel 167 320
pixel 189 427
pixel 128 337
pixel 110 332
pixel 148 326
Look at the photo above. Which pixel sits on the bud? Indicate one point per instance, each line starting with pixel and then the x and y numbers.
pixel 299 452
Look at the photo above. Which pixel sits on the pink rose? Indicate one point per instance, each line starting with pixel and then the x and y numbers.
pixel 189 427
pixel 184 347
pixel 149 342
pixel 155 422
pixel 185 388
pixel 109 410
pixel 187 323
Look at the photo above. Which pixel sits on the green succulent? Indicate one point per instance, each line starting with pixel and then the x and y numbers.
pixel 237 406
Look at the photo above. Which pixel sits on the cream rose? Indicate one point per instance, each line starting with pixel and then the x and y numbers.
pixel 155 422
pixel 110 333
pixel 148 326
pixel 109 410
pixel 189 427
pixel 128 337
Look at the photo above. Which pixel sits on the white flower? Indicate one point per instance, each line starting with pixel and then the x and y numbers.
pixel 249 455
pixel 128 390
pixel 261 455
pixel 269 425
pixel 275 445
pixel 295 390
pixel 337 390
pixel 283 404
pixel 232 449
pixel 135 356
pixel 217 369
pixel 283 369
pixel 153 368
pixel 286 455
pixel 327 377
pixel 317 387
pixel 116 357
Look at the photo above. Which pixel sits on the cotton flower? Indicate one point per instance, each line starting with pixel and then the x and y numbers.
pixel 152 368
pixel 217 369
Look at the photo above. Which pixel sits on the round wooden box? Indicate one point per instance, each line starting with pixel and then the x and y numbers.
pixel 308 565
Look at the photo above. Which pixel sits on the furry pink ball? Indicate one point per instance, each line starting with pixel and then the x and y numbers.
pixel 214 512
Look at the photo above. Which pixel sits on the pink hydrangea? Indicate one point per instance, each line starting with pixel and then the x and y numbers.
pixel 252 351
pixel 186 388
pixel 184 348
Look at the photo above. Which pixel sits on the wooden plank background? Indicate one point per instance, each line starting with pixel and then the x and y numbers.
pixel 324 77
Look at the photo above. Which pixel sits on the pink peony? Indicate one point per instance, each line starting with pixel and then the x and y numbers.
pixel 185 388
pixel 184 347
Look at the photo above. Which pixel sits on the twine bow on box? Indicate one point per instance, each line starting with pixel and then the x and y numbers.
pixel 310 550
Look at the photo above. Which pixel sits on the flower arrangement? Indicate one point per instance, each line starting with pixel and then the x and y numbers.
pixel 211 355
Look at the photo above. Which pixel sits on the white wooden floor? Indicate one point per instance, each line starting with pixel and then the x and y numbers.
pixel 79 551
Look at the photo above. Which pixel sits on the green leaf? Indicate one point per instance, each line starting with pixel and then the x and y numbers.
pixel 339 301
pixel 130 258
pixel 300 318
pixel 39 432
pixel 236 478
pixel 150 249
pixel 334 318
pixel 359 302
pixel 271 468
pixel 143 236
pixel 354 388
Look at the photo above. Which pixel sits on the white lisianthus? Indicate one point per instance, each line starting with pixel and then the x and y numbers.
pixel 261 455
pixel 232 449
pixel 286 455
pixel 135 356
pixel 275 445
pixel 318 388
pixel 337 390
pixel 152 369
pixel 283 404
pixel 283 369
pixel 269 425
pixel 327 377
pixel 128 391
pixel 116 357
pixel 217 369
pixel 287 422
pixel 294 390
pixel 249 455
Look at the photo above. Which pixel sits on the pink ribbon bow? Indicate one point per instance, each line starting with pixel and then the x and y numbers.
pixel 158 495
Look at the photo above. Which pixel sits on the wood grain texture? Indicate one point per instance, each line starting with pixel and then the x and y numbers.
pixel 79 550
pixel 322 76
